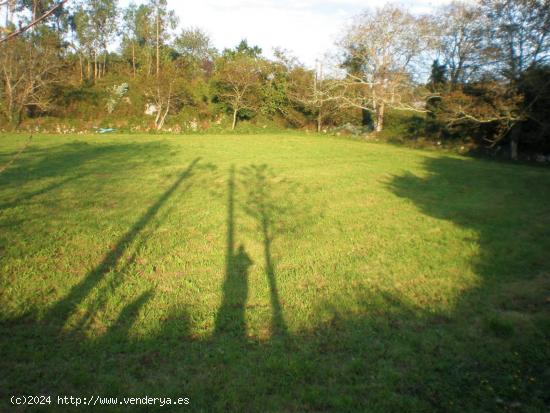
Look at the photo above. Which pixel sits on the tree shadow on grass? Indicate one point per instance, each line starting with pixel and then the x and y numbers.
pixel 79 292
pixel 71 162
pixel 267 211
pixel 508 210
pixel 386 356
pixel 507 314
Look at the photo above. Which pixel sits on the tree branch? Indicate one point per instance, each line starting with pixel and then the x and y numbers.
pixel 34 22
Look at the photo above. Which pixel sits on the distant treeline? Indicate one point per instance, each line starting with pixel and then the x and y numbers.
pixel 476 72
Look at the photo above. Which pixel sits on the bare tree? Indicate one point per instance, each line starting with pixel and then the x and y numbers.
pixel 10 6
pixel 316 93
pixel 161 92
pixel 518 34
pixel 238 80
pixel 167 91
pixel 460 27
pixel 28 69
pixel 378 52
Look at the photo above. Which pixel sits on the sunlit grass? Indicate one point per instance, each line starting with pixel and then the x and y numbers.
pixel 273 273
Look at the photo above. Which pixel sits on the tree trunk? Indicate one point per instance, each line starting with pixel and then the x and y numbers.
pixel 159 114
pixel 319 121
pixel 134 58
pixel 159 105
pixel 9 95
pixel 514 150
pixel 81 67
pixel 19 117
pixel 234 119
pixel 380 117
pixel 95 66
pixel 514 138
pixel 163 117
pixel 158 43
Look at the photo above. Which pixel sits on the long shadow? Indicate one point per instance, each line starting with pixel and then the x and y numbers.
pixel 77 294
pixel 385 355
pixel 231 314
pixel 507 208
pixel 264 209
pixel 66 345
pixel 128 315
pixel 109 289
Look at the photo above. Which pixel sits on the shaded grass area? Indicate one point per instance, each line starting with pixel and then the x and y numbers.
pixel 273 273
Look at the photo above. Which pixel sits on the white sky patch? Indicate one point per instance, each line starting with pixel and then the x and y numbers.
pixel 306 28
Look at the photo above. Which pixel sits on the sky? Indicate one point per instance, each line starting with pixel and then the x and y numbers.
pixel 306 28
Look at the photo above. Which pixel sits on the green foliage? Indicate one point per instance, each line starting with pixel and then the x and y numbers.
pixel 194 45
pixel 487 86
pixel 403 126
pixel 274 91
pixel 243 49
pixel 438 76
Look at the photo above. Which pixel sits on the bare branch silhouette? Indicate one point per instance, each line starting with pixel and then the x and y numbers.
pixel 34 22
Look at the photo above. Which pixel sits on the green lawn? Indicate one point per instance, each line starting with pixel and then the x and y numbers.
pixel 273 273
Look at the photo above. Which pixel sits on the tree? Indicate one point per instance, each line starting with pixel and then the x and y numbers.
pixel 237 81
pixel 145 36
pixel 29 66
pixel 516 39
pixel 94 24
pixel 164 91
pixel 378 53
pixel 518 34
pixel 165 20
pixel 318 95
pixel 195 49
pixel 83 40
pixel 103 22
pixel 460 27
pixel 195 44
pixel 38 14
pixel 534 86
pixel 130 34
pixel 243 49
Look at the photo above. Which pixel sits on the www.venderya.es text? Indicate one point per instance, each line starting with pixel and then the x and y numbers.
pixel 95 400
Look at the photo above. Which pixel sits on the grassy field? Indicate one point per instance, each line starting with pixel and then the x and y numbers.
pixel 272 273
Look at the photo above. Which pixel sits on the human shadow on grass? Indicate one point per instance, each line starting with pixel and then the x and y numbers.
pixel 385 355
pixel 230 318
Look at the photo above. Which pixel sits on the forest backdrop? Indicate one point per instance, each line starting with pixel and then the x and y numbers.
pixel 476 73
